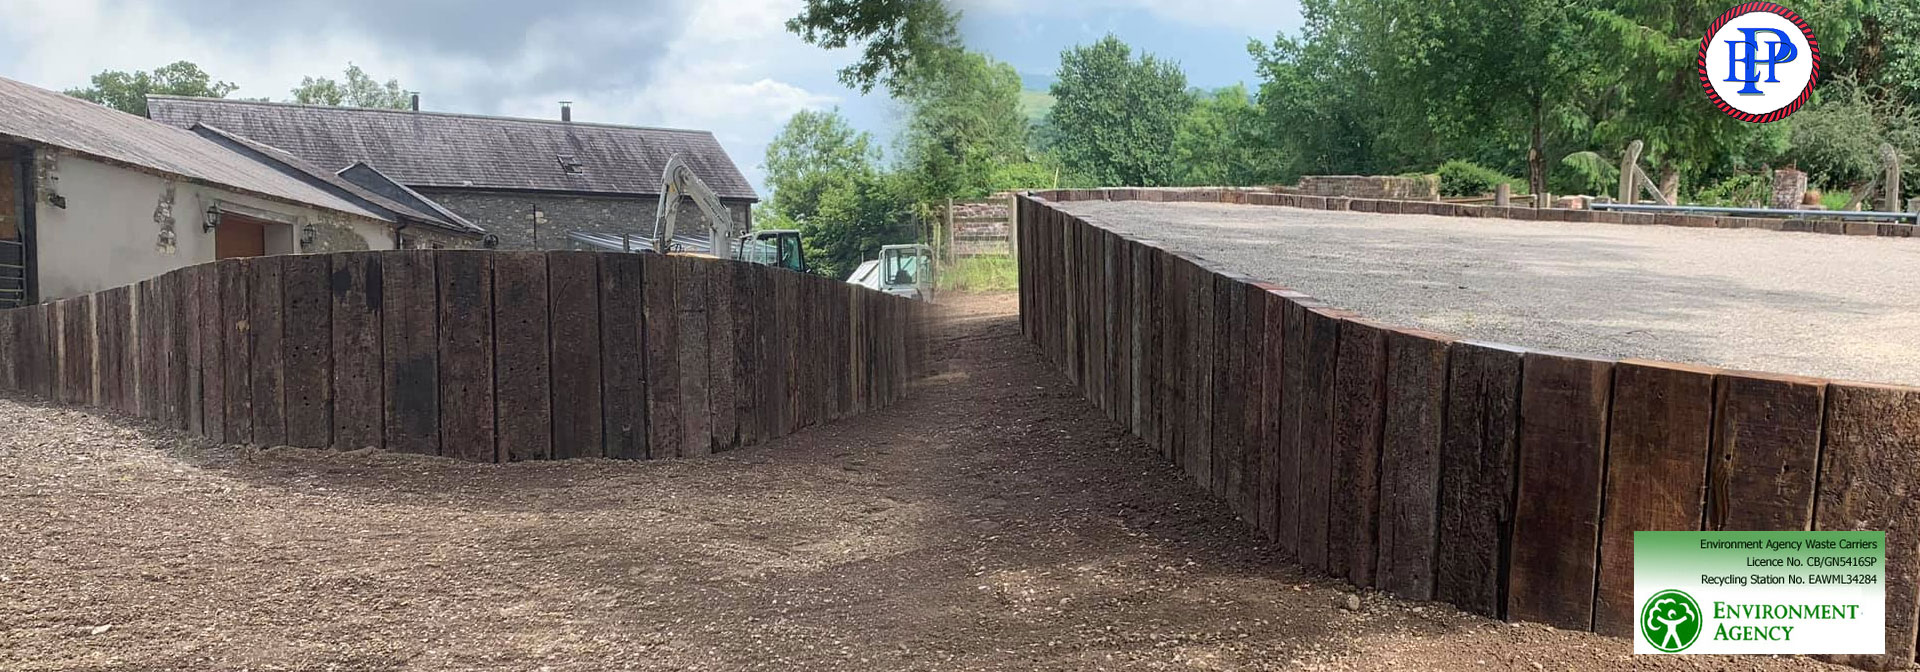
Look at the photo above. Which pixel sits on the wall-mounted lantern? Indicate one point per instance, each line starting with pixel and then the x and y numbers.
pixel 307 234
pixel 212 219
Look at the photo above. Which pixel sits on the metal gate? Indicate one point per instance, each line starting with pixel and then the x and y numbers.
pixel 16 227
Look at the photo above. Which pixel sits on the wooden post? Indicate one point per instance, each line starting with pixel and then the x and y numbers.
pixel 946 234
pixel 1647 184
pixel 1890 197
pixel 1629 168
pixel 1013 227
pixel 1503 194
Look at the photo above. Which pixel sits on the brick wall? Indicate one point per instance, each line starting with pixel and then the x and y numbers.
pixel 510 215
pixel 1372 186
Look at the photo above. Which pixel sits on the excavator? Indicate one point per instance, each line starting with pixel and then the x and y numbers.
pixel 900 270
pixel 771 247
pixel 777 247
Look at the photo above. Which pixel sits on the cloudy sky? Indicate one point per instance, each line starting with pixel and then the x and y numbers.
pixel 728 66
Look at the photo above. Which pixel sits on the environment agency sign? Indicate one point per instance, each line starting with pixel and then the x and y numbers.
pixel 1760 592
pixel 1758 62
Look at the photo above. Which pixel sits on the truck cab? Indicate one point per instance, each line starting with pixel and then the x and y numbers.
pixel 773 247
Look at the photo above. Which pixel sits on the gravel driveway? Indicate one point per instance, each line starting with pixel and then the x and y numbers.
pixel 1822 305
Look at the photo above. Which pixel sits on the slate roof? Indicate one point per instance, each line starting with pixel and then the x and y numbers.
pixel 339 185
pixel 435 149
pixel 45 117
pixel 377 182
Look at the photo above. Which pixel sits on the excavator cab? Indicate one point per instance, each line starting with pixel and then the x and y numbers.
pixel 773 247
pixel 907 270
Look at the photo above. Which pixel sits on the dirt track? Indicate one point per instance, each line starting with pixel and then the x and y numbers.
pixel 993 521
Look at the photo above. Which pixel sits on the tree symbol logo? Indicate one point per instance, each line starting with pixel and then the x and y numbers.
pixel 1670 621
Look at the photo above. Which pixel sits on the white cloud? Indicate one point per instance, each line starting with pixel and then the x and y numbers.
pixel 727 67
pixel 1256 17
pixel 734 70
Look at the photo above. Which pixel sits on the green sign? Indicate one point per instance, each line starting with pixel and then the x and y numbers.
pixel 1760 592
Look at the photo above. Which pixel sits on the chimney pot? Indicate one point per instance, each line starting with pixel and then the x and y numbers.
pixel 416 102
pixel 566 110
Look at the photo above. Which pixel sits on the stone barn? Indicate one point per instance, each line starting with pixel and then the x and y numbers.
pixel 529 182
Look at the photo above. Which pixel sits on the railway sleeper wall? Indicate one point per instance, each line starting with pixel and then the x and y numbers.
pixel 1505 481
pixel 477 355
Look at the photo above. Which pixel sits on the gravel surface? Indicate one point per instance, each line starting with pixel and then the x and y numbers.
pixel 1820 305
pixel 993 521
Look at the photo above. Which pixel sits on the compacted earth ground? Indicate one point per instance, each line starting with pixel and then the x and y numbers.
pixel 1798 303
pixel 992 521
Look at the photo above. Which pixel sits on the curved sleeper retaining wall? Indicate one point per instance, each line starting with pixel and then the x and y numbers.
pixel 1807 221
pixel 1502 480
pixel 483 356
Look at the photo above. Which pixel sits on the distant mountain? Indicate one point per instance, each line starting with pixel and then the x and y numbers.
pixel 1035 104
pixel 1036 81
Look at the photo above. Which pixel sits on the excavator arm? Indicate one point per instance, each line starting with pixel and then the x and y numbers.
pixel 679 180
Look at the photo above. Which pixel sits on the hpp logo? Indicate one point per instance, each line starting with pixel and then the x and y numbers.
pixel 1759 62
pixel 1747 52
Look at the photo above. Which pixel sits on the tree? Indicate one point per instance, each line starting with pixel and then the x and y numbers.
pixel 1837 138
pixel 966 135
pixel 1115 117
pixel 897 34
pixel 1650 46
pixel 826 183
pixel 1508 79
pixel 1220 143
pixel 1390 86
pixel 815 142
pixel 359 90
pixel 1318 109
pixel 127 91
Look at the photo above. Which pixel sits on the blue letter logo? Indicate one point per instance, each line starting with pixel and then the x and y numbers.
pixel 1769 65
pixel 1780 50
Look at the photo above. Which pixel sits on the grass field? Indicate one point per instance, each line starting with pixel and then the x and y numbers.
pixel 986 273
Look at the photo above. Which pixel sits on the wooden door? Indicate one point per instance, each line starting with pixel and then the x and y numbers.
pixel 239 237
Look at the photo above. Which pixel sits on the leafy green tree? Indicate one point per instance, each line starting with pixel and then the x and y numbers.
pixel 127 91
pixel 826 183
pixel 1513 75
pixel 815 142
pixel 1318 107
pixel 1655 96
pixel 897 36
pixel 1884 59
pixel 1220 142
pixel 966 134
pixel 1837 139
pixel 358 90
pixel 852 219
pixel 1390 86
pixel 1115 117
pixel 1548 88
